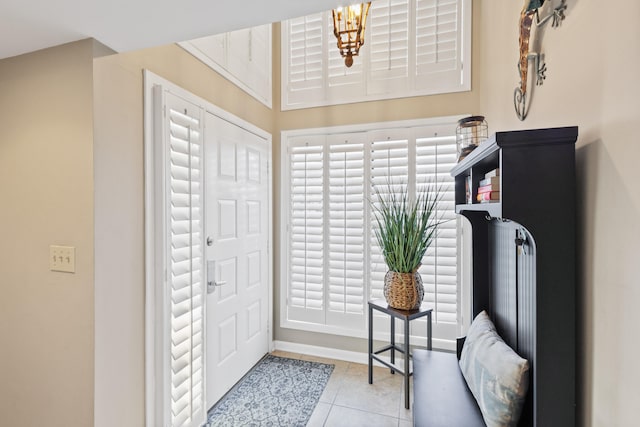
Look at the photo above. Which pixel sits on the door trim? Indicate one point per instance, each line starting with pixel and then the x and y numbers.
pixel 154 265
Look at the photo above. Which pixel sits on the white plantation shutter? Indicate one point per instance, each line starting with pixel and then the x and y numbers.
pixel 388 46
pixel 411 48
pixel 304 60
pixel 389 168
pixel 306 236
pixel 435 156
pixel 346 211
pixel 333 260
pixel 185 279
pixel 439 40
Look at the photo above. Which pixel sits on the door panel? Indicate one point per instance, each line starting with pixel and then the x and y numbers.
pixel 237 227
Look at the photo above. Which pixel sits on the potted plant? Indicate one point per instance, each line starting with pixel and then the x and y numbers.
pixel 406 228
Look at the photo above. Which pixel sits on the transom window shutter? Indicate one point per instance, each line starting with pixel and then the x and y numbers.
pixel 306 236
pixel 439 41
pixel 185 263
pixel 303 47
pixel 412 48
pixel 388 50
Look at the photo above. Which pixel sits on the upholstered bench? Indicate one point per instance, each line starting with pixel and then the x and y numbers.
pixel 441 397
pixel 484 383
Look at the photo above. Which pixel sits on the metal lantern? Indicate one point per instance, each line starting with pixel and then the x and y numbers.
pixel 471 131
pixel 349 24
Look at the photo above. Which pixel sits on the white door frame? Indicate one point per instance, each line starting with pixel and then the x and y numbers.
pixel 154 265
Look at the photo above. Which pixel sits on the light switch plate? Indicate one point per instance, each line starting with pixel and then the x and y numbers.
pixel 62 258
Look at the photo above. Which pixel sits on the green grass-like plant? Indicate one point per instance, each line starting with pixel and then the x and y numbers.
pixel 406 226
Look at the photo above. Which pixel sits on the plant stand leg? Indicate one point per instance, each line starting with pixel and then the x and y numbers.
pixel 406 363
pixel 370 344
pixel 429 330
pixel 393 342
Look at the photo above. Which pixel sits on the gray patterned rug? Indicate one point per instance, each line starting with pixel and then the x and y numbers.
pixel 276 392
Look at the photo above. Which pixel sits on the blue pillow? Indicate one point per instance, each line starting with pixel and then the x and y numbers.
pixel 495 374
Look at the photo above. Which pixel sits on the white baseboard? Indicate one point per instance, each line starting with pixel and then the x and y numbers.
pixel 317 351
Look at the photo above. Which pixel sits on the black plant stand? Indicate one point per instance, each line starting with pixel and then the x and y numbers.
pixel 407 316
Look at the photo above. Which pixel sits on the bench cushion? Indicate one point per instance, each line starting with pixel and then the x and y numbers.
pixel 441 397
pixel 495 374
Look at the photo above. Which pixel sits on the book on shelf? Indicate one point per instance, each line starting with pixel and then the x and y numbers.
pixel 493 181
pixel 487 189
pixel 467 187
pixel 490 195
pixel 492 173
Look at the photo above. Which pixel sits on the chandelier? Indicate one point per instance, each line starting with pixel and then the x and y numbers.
pixel 348 27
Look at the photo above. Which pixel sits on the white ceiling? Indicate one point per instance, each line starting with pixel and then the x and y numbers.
pixel 124 25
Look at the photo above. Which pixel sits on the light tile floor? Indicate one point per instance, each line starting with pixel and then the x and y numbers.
pixel 349 400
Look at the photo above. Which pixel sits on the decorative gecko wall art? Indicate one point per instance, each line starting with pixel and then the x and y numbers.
pixel 529 17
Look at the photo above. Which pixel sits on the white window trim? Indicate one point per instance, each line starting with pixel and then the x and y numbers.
pixel 466 47
pixel 464 267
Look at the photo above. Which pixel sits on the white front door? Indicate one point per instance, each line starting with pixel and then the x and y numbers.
pixel 237 258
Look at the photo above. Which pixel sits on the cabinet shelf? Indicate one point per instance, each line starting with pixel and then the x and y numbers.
pixel 492 209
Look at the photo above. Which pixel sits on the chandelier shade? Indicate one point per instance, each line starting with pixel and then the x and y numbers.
pixel 348 26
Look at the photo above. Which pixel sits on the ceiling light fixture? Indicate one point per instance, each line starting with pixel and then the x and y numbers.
pixel 348 26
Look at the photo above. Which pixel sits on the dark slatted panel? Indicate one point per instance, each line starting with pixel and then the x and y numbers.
pixel 513 308
pixel 502 276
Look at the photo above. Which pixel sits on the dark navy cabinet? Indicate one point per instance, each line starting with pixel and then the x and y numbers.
pixel 523 264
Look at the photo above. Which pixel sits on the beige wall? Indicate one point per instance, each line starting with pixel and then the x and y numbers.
pixel 46 197
pixel 119 187
pixel 592 62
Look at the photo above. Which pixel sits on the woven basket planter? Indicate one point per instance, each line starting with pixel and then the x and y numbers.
pixel 403 290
